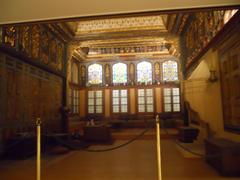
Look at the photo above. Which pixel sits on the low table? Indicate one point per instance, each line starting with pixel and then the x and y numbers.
pixel 97 134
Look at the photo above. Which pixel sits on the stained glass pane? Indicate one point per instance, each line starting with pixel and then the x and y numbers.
pixel 95 74
pixel 144 72
pixel 170 71
pixel 119 73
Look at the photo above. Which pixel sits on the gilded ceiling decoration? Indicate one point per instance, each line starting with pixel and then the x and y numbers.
pixel 132 37
pixel 121 24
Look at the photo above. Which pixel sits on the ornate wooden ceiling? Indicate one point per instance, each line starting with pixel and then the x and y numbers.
pixel 146 36
pixel 121 24
pixel 123 37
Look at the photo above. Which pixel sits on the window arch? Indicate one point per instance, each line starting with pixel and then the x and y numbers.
pixel 95 74
pixel 75 78
pixel 170 70
pixel 144 72
pixel 119 73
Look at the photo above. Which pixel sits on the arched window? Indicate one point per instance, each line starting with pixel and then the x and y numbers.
pixel 95 74
pixel 75 73
pixel 170 71
pixel 119 73
pixel 144 72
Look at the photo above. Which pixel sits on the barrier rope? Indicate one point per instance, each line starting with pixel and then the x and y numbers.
pixel 72 146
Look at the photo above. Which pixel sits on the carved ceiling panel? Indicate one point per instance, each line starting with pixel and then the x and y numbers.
pixel 128 37
pixel 121 24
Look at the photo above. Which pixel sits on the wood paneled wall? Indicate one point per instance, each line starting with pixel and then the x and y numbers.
pixel 27 92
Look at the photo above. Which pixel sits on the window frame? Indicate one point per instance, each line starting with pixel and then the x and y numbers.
pixel 120 104
pixel 171 98
pixel 94 99
pixel 145 100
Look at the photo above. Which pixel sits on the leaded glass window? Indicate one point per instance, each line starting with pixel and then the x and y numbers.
pixel 95 104
pixel 145 100
pixel 119 73
pixel 170 71
pixel 171 98
pixel 95 74
pixel 144 72
pixel 120 101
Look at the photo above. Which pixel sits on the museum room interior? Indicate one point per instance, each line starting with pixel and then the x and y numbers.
pixel 98 86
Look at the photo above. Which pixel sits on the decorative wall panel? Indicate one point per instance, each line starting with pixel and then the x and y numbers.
pixel 230 82
pixel 10 36
pixel 27 93
pixel 83 73
pixel 107 74
pixel 202 29
pixel 157 72
pixel 37 43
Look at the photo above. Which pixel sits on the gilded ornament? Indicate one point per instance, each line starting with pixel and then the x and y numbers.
pixel 10 35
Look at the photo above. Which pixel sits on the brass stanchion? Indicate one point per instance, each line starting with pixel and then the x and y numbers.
pixel 158 148
pixel 38 123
